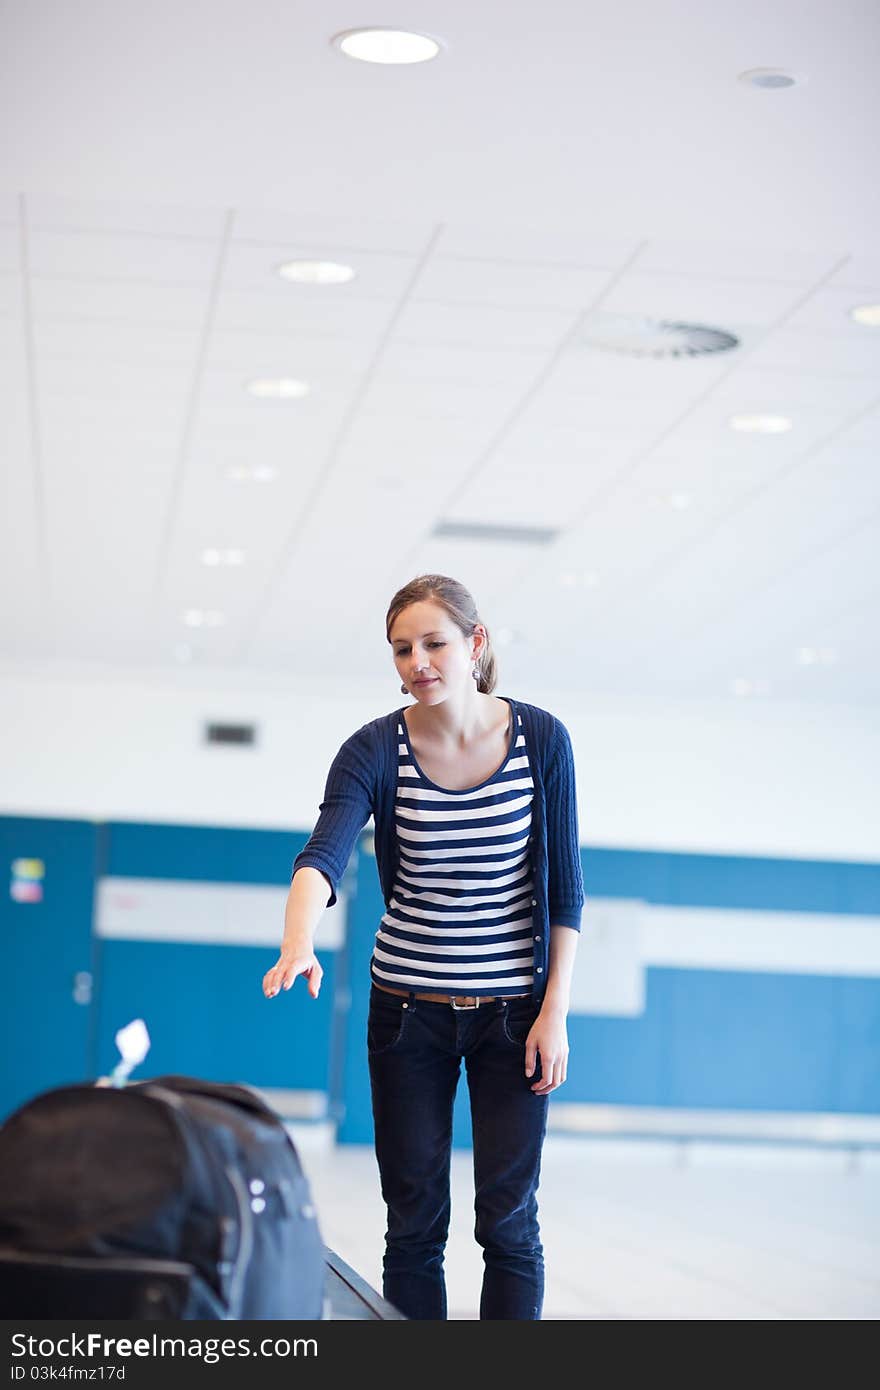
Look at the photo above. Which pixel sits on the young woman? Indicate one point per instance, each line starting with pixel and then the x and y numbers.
pixel 477 847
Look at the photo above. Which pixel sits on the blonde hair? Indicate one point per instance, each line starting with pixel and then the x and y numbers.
pixel 459 604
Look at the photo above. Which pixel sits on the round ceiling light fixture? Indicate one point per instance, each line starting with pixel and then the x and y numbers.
pixel 384 45
pixel 868 315
pixel 251 472
pixel 770 79
pixel 644 337
pixel 760 424
pixel 316 272
pixel 284 388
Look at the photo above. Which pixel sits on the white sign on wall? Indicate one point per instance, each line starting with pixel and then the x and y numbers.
pixel 216 914
pixel 609 975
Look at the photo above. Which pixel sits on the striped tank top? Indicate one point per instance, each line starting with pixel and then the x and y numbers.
pixel 460 915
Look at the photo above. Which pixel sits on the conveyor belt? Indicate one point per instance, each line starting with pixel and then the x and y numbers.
pixel 348 1297
pixel 63 1286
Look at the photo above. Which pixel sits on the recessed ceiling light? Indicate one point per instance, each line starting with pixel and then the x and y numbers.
pixel 203 617
pixel 316 272
pixel 282 388
pixel 743 687
pixel 760 424
pixel 588 579
pixel 386 45
pixel 770 79
pixel 251 473
pixel 680 501
pixel 817 656
pixel 868 315
pixel 222 557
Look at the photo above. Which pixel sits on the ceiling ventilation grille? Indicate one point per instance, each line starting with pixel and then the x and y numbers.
pixel 485 531
pixel 643 337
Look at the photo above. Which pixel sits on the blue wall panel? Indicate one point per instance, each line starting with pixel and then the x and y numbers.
pixel 733 881
pixel 203 1004
pixel 708 1038
pixel 735 1040
pixel 856 1046
pixel 207 1015
pixel 747 1041
pixel 44 1033
pixel 214 854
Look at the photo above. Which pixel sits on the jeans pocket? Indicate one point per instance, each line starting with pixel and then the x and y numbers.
pixel 385 1023
pixel 518 1020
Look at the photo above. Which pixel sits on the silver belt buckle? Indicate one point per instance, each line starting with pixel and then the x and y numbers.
pixel 460 1008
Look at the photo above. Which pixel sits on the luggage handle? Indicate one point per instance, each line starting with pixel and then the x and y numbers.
pixel 235 1093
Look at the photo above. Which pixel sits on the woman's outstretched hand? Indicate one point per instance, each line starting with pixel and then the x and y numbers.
pixel 289 965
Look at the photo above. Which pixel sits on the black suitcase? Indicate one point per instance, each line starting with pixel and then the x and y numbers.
pixel 169 1198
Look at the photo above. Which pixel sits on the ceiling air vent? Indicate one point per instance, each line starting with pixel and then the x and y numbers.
pixel 485 531
pixel 237 734
pixel 641 337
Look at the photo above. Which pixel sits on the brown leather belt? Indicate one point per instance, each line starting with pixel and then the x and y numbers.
pixel 458 1001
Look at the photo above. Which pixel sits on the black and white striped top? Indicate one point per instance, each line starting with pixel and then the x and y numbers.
pixel 460 917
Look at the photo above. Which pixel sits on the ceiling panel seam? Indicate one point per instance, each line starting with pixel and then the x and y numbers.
pixel 348 420
pixel 791 637
pixel 192 404
pixel 531 391
pixel 809 556
pixel 625 472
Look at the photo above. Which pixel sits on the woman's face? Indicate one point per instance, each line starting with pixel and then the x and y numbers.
pixel 429 648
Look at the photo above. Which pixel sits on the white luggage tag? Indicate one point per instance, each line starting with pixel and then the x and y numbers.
pixel 133 1042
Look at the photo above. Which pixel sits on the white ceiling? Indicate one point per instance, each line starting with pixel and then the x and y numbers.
pixel 160 161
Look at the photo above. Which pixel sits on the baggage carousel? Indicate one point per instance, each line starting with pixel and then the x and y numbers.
pixel 58 1286
pixel 348 1297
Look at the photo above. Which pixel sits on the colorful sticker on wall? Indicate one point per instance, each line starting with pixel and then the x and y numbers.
pixel 27 880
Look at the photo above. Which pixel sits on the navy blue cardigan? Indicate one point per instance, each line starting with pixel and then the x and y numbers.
pixel 362 781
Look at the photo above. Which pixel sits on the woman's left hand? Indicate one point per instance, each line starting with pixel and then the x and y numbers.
pixel 548 1036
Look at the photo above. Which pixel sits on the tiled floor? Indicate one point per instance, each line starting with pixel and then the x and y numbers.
pixel 651 1230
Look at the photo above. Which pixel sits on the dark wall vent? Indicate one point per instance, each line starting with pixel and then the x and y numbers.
pixel 238 734
pixel 492 531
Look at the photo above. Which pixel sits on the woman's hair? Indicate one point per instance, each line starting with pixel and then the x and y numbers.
pixel 459 604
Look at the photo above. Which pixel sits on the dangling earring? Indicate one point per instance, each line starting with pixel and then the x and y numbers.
pixel 403 690
pixel 476 673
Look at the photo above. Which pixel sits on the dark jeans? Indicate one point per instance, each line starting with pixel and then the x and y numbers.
pixel 415 1047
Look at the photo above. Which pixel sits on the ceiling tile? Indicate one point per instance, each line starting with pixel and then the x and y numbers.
pixel 478 366
pixel 119 217
pixel 708 258
pixel 10 250
pixel 542 242
pixel 797 350
pixel 80 299
pixel 717 303
pixel 478 325
pixel 332 233
pixel 121 259
pixel 509 285
pixel 248 309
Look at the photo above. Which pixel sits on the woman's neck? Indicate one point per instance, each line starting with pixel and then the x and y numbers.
pixel 455 722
